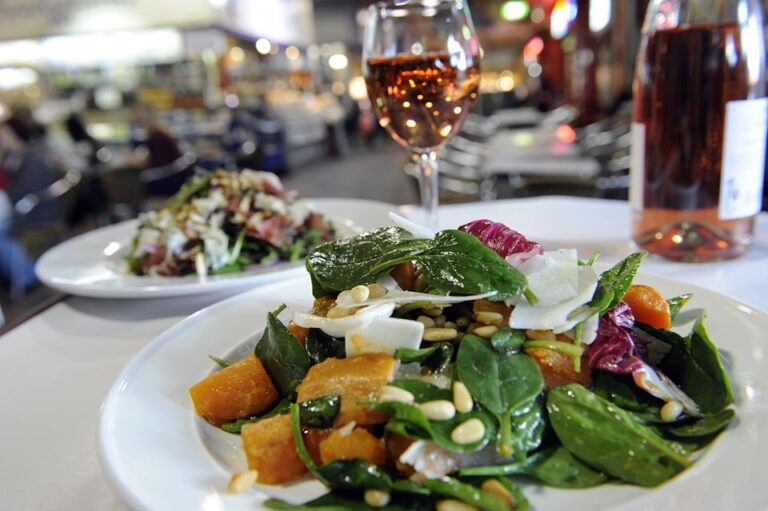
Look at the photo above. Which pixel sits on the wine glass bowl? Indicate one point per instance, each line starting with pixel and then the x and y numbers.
pixel 421 61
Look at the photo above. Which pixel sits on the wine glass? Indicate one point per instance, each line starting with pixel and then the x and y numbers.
pixel 421 62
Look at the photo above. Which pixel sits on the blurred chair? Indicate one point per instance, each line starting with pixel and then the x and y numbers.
pixel 37 236
pixel 166 180
pixel 124 190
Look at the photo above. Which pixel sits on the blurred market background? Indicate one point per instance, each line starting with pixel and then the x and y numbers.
pixel 106 107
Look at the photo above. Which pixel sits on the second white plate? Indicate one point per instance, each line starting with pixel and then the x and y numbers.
pixel 88 265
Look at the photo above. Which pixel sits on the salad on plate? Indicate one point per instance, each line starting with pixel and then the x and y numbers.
pixel 441 370
pixel 224 222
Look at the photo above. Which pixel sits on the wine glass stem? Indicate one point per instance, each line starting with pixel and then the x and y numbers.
pixel 427 162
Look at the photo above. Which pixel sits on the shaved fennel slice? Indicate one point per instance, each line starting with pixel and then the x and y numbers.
pixel 418 231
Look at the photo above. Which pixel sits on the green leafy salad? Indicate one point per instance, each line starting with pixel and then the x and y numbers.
pixel 453 370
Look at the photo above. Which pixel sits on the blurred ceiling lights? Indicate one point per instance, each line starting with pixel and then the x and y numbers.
pixel 515 10
pixel 599 14
pixel 338 61
pixel 263 46
pixel 11 77
pixel 563 14
pixel 94 50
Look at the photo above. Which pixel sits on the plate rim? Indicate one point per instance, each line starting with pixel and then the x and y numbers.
pixel 107 448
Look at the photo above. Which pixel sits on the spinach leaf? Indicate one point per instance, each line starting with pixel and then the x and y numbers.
pixel 703 376
pixel 623 392
pixel 452 262
pixel 437 357
pixel 280 408
pixel 317 413
pixel 500 383
pixel 554 467
pixel 677 303
pixel 694 364
pixel 298 441
pixel 707 425
pixel 220 361
pixel 343 264
pixel 561 469
pixel 527 425
pixel 457 262
pixel 507 341
pixel 320 411
pixel 614 282
pixel 408 420
pixel 453 488
pixel 354 474
pixel 284 358
pixel 421 390
pixel 611 439
pixel 352 502
pixel 321 346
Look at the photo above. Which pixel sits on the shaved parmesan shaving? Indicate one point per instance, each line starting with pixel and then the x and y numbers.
pixel 338 327
pixel 555 317
pixel 398 297
pixel 418 231
pixel 384 335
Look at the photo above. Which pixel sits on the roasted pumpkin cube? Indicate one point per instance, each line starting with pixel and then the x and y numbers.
pixel 358 443
pixel 396 446
pixel 270 450
pixel 240 390
pixel 557 368
pixel 312 439
pixel 354 379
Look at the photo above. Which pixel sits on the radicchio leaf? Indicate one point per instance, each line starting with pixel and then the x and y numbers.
pixel 615 351
pixel 500 238
pixel 614 348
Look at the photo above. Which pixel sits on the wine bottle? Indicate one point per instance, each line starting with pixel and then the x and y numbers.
pixel 699 129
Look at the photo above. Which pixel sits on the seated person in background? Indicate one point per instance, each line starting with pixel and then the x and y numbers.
pixel 162 146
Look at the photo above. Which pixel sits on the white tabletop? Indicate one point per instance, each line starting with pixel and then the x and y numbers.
pixel 56 368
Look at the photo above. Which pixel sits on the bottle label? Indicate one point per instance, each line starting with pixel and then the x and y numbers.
pixel 743 165
pixel 637 166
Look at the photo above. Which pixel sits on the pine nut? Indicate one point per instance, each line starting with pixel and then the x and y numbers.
pixel 420 284
pixel 439 334
pixel 450 324
pixel 432 311
pixel 540 335
pixel 340 312
pixel 376 498
pixel 489 318
pixel 426 321
pixel 462 399
pixel 463 322
pixel 468 432
pixel 498 490
pixel 392 393
pixel 376 290
pixel 360 293
pixel 241 483
pixel 671 411
pixel 438 410
pixel 485 331
pixel 453 505
pixel 440 320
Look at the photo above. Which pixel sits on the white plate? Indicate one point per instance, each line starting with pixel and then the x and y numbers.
pixel 91 264
pixel 159 455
